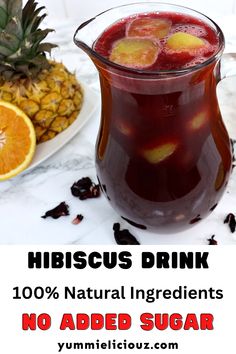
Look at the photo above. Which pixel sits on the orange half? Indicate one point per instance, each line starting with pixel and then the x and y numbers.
pixel 17 140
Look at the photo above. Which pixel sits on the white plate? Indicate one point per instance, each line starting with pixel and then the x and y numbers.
pixel 47 149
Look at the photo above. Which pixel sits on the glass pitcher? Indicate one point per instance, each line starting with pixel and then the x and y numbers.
pixel 179 179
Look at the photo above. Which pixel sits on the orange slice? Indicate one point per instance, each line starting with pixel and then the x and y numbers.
pixel 17 140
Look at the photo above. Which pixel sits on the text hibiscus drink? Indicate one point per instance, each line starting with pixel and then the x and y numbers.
pixel 163 154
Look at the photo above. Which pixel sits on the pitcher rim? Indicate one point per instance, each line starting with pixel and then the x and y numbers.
pixel 152 72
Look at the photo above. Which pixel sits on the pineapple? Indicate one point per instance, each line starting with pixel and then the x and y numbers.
pixel 44 89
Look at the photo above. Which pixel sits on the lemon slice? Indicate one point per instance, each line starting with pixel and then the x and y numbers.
pixel 184 41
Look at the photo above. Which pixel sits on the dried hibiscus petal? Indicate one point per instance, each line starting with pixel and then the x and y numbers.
pixel 212 240
pixel 124 237
pixel 77 220
pixel 84 188
pixel 81 187
pixel 230 220
pixel 61 210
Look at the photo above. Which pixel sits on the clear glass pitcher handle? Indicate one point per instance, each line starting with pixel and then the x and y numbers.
pixel 228 65
pixel 226 91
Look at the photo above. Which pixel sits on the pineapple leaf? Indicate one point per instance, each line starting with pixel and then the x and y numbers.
pixel 14 27
pixel 10 41
pixel 8 74
pixel 5 51
pixel 35 22
pixel 38 21
pixel 2 68
pixel 3 18
pixel 23 68
pixel 3 4
pixel 39 35
pixel 28 13
pixel 22 50
pixel 14 8
pixel 39 60
pixel 46 47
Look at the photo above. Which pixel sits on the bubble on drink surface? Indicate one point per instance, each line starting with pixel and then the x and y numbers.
pixel 159 153
pixel 134 52
pixel 195 61
pixel 181 41
pixel 194 30
pixel 148 27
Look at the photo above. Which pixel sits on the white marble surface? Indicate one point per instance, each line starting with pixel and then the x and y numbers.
pixel 81 10
pixel 25 198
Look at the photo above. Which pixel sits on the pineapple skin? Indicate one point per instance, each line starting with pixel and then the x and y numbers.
pixel 52 100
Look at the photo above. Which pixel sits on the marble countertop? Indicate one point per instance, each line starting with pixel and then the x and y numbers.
pixel 26 197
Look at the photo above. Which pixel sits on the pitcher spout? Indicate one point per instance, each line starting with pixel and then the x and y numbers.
pixel 82 37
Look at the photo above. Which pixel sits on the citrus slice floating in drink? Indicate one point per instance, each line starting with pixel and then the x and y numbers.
pixel 198 121
pixel 159 153
pixel 124 128
pixel 181 41
pixel 134 52
pixel 17 141
pixel 149 27
pixel 220 177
